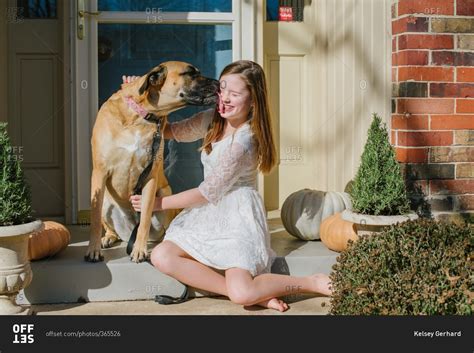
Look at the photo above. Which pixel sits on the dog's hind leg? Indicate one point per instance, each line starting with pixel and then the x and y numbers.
pixel 110 237
pixel 118 221
pixel 94 253
pixel 160 220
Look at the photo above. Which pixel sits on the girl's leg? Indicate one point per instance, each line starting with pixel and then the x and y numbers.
pixel 170 259
pixel 173 261
pixel 243 289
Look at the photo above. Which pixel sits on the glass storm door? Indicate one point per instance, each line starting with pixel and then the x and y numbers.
pixel 125 37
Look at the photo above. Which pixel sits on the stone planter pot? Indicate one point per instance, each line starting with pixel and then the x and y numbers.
pixel 15 270
pixel 369 224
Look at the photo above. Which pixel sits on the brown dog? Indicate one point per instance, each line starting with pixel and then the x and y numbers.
pixel 121 149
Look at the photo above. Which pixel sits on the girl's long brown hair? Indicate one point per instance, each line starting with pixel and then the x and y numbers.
pixel 254 77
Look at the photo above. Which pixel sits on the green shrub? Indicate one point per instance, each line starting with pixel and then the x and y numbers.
pixel 15 199
pixel 420 267
pixel 378 187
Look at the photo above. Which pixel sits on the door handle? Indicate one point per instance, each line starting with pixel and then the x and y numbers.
pixel 81 15
pixel 90 13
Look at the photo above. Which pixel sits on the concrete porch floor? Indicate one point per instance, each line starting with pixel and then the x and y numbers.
pixel 63 283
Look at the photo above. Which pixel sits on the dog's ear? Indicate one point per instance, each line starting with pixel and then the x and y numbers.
pixel 155 77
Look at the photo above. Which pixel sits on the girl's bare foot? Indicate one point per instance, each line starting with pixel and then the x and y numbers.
pixel 321 283
pixel 275 304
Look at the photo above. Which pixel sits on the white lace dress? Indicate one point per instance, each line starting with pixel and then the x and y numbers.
pixel 231 230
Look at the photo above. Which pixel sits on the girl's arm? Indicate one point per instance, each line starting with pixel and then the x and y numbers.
pixel 193 128
pixel 188 198
pixel 198 128
pixel 232 162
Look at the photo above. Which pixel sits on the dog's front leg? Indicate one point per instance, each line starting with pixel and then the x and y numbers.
pixel 97 198
pixel 139 252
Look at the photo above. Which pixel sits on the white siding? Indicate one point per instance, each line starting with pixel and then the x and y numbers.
pixel 332 72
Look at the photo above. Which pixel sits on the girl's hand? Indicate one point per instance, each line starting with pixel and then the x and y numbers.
pixel 136 201
pixel 128 79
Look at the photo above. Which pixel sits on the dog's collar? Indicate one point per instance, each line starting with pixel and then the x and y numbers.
pixel 137 108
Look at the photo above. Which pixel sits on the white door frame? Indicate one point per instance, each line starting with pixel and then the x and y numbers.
pixel 85 75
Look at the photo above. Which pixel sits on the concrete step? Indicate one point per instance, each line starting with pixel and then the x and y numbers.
pixel 310 305
pixel 67 278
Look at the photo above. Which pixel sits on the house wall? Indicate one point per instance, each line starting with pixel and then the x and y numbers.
pixel 433 101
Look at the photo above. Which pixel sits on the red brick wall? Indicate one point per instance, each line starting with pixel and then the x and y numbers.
pixel 433 101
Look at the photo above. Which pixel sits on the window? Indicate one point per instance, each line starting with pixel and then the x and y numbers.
pixel 135 48
pixel 37 9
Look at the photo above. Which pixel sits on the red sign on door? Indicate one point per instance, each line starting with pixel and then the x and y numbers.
pixel 285 13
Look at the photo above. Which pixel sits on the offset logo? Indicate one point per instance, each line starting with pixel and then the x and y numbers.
pixel 23 333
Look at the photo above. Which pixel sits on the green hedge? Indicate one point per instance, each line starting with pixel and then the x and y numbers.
pixel 420 267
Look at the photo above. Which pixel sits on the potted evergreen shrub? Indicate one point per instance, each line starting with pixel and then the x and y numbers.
pixel 421 267
pixel 378 192
pixel 16 223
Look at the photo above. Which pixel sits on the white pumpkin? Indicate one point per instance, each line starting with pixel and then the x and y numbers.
pixel 304 210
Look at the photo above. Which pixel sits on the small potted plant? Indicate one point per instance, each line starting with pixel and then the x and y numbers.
pixel 16 224
pixel 378 192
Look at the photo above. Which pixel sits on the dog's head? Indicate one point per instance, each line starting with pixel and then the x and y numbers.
pixel 174 84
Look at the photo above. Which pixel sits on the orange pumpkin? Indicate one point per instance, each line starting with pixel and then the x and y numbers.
pixel 335 232
pixel 48 241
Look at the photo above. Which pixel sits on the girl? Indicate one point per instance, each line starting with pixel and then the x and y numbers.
pixel 223 224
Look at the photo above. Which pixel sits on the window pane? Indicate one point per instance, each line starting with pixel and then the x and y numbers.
pixel 31 9
pixel 133 49
pixel 166 5
pixel 272 10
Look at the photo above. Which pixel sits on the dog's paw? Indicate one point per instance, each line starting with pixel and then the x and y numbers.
pixel 108 241
pixel 139 254
pixel 93 255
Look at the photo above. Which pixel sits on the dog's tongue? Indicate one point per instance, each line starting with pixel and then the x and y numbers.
pixel 220 104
